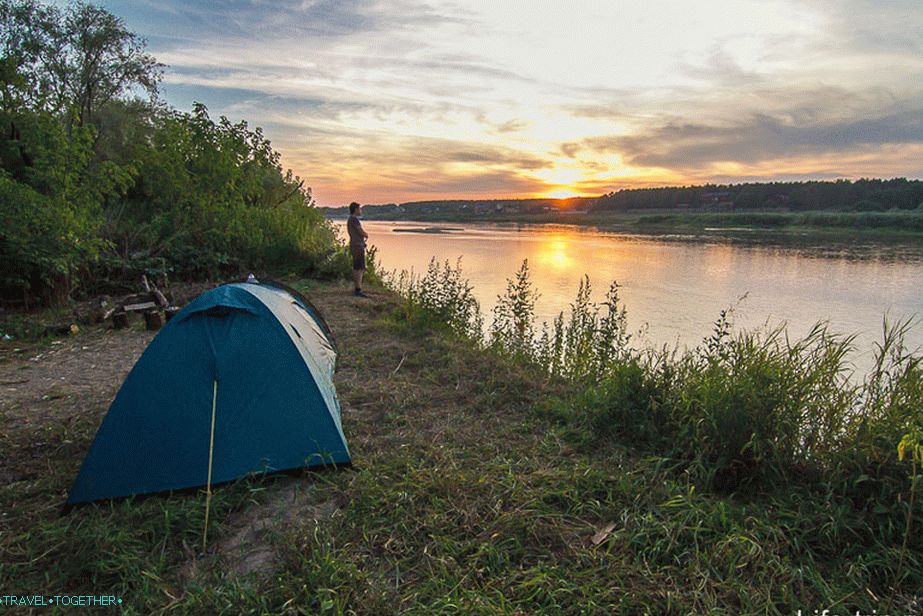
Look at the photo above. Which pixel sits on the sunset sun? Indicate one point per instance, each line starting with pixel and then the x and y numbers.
pixel 562 193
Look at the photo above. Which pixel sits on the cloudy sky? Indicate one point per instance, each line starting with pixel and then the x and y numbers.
pixel 421 99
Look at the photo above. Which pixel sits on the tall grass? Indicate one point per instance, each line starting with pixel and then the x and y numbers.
pixel 744 412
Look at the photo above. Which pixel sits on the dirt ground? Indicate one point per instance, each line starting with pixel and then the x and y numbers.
pixel 48 388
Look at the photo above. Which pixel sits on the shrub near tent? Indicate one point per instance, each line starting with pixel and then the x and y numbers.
pixel 241 377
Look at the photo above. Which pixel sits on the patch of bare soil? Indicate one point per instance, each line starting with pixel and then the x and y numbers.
pixel 48 389
pixel 249 544
pixel 53 396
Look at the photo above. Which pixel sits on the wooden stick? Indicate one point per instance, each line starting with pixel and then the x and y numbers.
pixel 400 363
pixel 211 451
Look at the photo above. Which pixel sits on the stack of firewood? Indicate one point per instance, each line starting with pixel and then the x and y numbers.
pixel 152 304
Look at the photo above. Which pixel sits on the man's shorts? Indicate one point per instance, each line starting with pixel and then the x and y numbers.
pixel 358 254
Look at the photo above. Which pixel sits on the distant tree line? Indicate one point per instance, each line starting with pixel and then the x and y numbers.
pixel 99 178
pixel 845 195
pixel 866 195
pixel 467 207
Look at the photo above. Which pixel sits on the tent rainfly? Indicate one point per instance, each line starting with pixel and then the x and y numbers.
pixel 239 381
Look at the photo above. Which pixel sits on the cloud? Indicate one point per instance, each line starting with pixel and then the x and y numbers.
pixel 477 183
pixel 720 67
pixel 685 145
pixel 511 126
pixel 571 149
pixel 342 163
pixel 382 150
pixel 372 97
pixel 257 19
pixel 873 27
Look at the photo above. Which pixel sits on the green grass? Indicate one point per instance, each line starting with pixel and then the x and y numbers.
pixel 481 480
pixel 752 416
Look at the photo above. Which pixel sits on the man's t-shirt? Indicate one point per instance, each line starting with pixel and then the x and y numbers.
pixel 354 228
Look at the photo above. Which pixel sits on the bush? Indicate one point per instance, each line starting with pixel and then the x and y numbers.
pixel 756 407
pixel 212 197
pixel 631 402
pixel 512 331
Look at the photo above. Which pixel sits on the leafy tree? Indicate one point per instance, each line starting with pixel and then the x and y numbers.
pixel 50 210
pixel 211 195
pixel 76 59
pixel 96 182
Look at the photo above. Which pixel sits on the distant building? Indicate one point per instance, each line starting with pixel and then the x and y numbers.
pixel 717 201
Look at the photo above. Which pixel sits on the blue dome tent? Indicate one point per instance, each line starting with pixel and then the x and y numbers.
pixel 239 381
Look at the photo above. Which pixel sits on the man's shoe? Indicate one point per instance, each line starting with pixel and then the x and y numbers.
pixel 359 293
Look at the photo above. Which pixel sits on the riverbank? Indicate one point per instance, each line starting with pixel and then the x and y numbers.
pixel 475 491
pixel 816 226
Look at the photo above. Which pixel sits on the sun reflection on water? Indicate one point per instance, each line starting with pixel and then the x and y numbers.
pixel 553 252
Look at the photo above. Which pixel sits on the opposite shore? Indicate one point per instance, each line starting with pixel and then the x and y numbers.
pixel 820 226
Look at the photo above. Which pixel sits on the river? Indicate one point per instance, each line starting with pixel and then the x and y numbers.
pixel 675 286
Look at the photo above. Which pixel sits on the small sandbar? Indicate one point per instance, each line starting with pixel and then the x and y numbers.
pixel 427 229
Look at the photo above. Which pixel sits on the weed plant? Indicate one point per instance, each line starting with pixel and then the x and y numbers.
pixel 440 296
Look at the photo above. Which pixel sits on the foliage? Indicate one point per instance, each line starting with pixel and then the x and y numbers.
pixel 794 457
pixel 74 59
pixel 758 406
pixel 593 340
pixel 743 412
pixel 51 202
pixel 861 195
pixel 95 184
pixel 211 195
pixel 513 330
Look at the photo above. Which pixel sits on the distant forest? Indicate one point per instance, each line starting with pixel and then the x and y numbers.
pixel 867 195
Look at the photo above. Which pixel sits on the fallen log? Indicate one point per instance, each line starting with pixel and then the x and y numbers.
pixel 135 298
pixel 159 298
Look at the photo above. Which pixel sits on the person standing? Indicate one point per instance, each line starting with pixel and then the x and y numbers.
pixel 357 241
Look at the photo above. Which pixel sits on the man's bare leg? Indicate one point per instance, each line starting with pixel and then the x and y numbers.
pixel 357 278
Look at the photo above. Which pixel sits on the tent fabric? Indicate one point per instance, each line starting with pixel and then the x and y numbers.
pixel 276 406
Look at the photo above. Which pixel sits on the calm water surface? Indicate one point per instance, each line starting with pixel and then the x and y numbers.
pixel 675 288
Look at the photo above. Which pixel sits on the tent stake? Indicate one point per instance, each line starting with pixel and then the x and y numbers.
pixel 211 451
